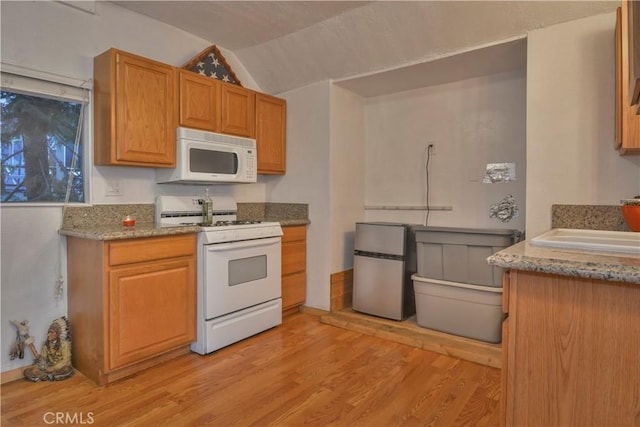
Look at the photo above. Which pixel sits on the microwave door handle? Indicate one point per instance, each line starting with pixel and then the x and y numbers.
pixel 243 244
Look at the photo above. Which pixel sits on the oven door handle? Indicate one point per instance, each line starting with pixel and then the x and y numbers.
pixel 254 243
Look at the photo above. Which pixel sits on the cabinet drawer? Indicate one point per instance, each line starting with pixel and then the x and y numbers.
pixel 294 289
pixel 154 248
pixel 294 233
pixel 294 257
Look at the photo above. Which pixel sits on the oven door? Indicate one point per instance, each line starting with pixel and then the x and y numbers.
pixel 238 275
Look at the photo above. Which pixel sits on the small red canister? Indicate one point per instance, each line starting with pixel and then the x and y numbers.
pixel 128 221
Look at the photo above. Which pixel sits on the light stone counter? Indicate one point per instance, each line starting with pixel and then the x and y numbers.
pixel 117 231
pixel 284 213
pixel 104 222
pixel 590 217
pixel 578 263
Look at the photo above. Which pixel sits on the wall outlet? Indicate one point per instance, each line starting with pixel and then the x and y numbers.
pixel 114 188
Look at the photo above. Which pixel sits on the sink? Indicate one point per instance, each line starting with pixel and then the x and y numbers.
pixel 598 240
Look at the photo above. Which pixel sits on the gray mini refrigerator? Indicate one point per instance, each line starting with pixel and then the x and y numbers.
pixel 384 260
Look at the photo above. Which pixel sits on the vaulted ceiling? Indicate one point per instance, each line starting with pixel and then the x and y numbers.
pixel 290 44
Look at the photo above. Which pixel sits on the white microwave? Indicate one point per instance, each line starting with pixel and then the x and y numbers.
pixel 207 158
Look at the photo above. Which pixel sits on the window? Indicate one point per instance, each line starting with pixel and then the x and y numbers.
pixel 42 153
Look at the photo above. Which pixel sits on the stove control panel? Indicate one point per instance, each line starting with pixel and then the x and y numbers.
pixel 211 235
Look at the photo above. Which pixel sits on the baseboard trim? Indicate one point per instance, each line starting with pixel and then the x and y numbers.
pixel 12 375
pixel 313 311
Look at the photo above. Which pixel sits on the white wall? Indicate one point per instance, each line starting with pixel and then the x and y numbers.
pixel 470 123
pixel 325 168
pixel 59 39
pixel 308 181
pixel 56 38
pixel 347 174
pixel 570 121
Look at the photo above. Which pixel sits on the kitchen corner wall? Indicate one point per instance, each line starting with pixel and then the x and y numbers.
pixel 471 123
pixel 347 174
pixel 570 121
pixel 308 180
pixel 325 168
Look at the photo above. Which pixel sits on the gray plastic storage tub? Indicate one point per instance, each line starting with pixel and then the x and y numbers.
pixel 470 311
pixel 460 254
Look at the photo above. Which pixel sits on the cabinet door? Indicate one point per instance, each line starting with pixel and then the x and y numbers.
pixel 627 137
pixel 633 21
pixel 572 351
pixel 238 110
pixel 505 418
pixel 294 257
pixel 199 101
pixel 271 116
pixel 145 112
pixel 151 309
pixel 506 373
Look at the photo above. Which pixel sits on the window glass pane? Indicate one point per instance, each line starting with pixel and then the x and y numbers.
pixel 38 138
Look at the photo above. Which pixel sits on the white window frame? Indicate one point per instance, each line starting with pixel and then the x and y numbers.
pixel 26 80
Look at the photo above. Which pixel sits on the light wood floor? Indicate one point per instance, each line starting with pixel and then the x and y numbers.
pixel 301 373
pixel 409 332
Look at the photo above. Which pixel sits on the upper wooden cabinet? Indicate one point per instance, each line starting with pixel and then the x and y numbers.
pixel 271 123
pixel 633 22
pixel 627 138
pixel 135 111
pixel 238 110
pixel 139 102
pixel 199 101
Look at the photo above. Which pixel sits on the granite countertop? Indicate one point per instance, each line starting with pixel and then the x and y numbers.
pixel 574 262
pixel 286 214
pixel 104 222
pixel 117 231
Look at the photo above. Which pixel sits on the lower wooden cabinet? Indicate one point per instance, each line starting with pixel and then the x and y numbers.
pixel 131 303
pixel 294 267
pixel 570 349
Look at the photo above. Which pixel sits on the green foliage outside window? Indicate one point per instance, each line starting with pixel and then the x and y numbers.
pixel 38 137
